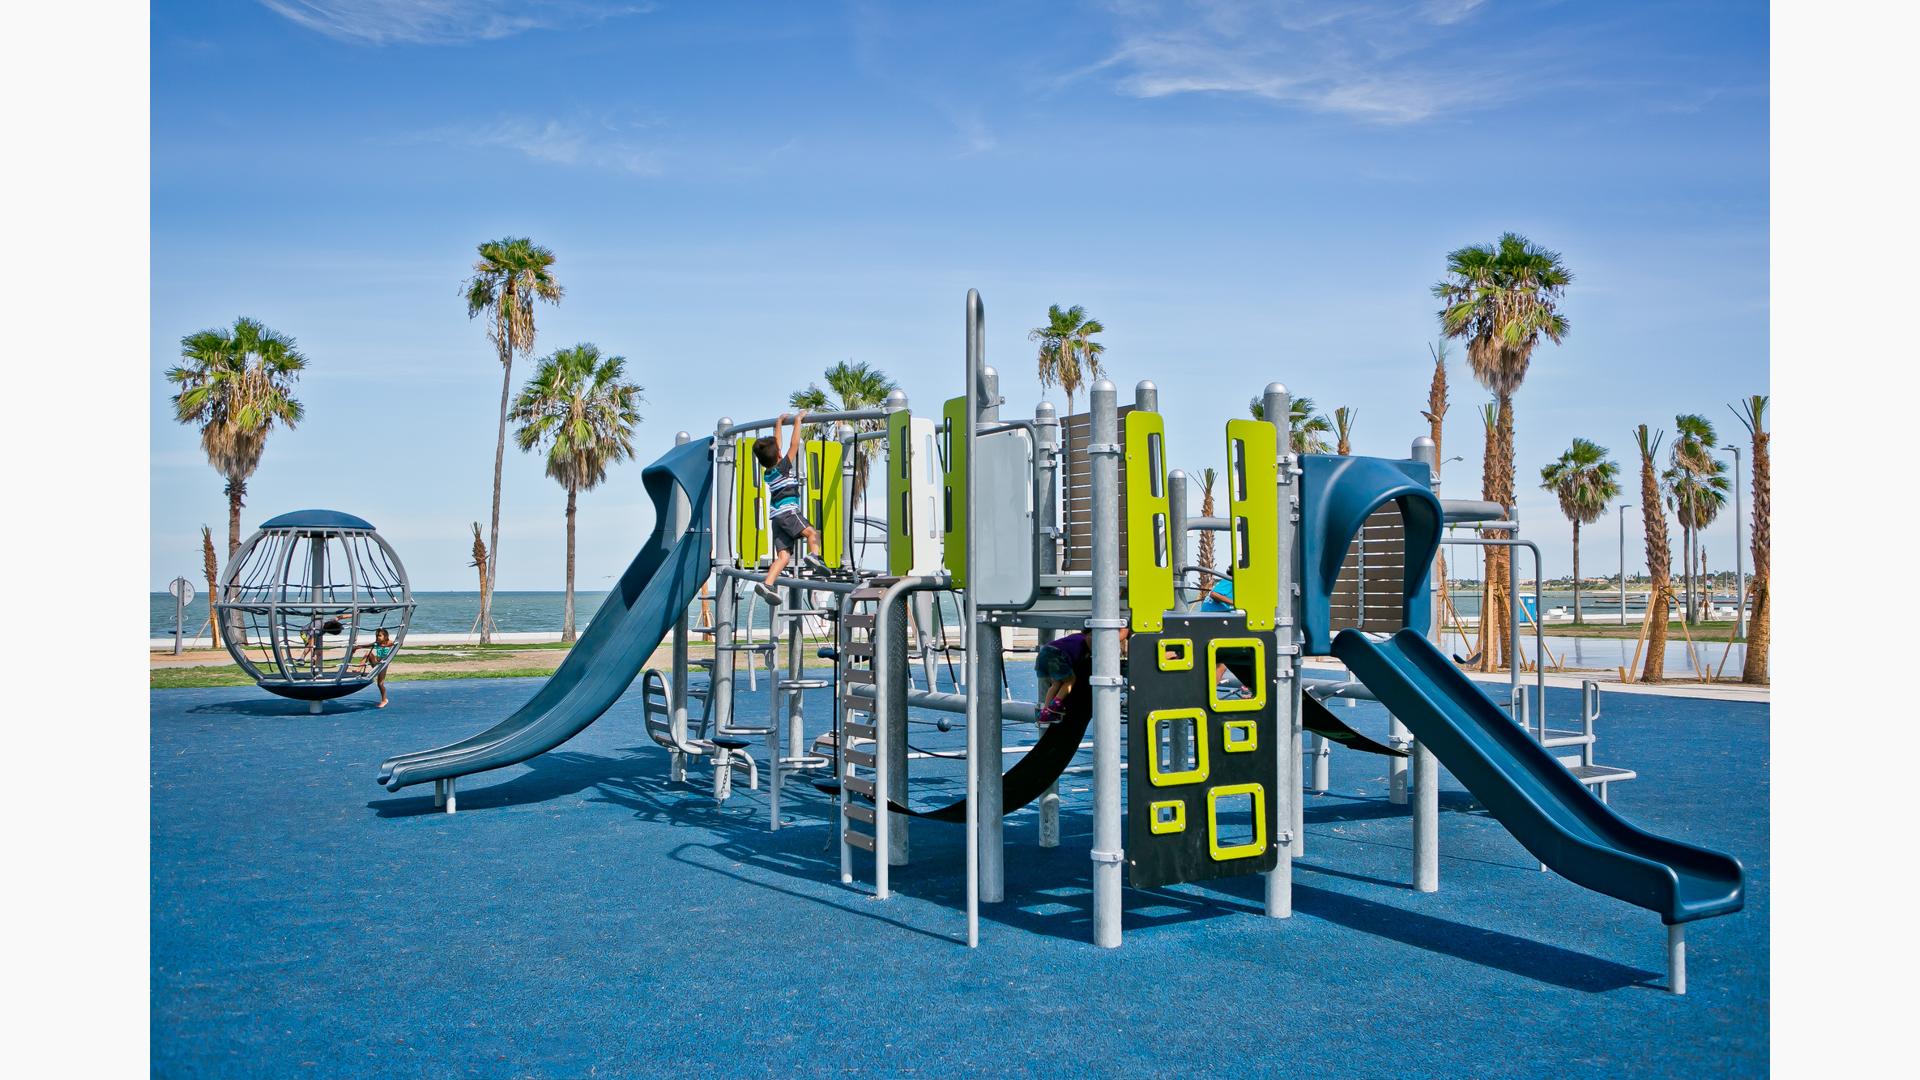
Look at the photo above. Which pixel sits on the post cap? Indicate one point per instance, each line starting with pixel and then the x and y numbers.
pixel 896 399
pixel 1276 388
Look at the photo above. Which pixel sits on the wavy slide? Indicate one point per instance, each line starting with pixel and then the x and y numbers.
pixel 635 617
pixel 1552 814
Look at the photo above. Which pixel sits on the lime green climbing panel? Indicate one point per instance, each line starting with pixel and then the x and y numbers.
pixel 1149 554
pixel 750 506
pixel 826 497
pixel 1253 498
pixel 899 494
pixel 953 490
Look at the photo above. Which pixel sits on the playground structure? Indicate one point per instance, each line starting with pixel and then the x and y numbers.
pixel 1085 529
pixel 303 600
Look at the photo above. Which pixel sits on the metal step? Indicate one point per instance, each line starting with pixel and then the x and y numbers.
pixel 861 812
pixel 860 840
pixel 860 758
pixel 860 731
pixel 864 787
pixel 859 622
pixel 855 675
pixel 1601 774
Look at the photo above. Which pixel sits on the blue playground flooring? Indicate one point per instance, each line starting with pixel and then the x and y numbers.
pixel 583 916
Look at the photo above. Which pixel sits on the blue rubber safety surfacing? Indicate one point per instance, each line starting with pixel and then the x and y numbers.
pixel 582 915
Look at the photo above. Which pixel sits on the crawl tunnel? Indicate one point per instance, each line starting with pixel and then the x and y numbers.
pixel 1369 528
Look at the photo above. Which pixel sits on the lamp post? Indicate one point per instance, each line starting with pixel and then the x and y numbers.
pixel 1739 552
pixel 1623 563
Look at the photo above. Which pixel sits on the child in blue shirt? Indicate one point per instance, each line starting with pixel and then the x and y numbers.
pixel 785 513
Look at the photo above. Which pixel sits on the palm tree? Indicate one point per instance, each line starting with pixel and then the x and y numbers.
pixel 236 385
pixel 1069 357
pixel 1697 488
pixel 1659 557
pixel 1343 429
pixel 509 275
pixel 1585 482
pixel 210 565
pixel 579 406
pixel 1502 298
pixel 1436 414
pixel 1208 477
pixel 1306 429
pixel 1753 415
pixel 855 386
pixel 1493 595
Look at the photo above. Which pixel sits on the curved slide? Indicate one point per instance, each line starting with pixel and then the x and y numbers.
pixel 1552 814
pixel 635 617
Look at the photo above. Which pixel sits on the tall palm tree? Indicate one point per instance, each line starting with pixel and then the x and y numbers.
pixel 578 406
pixel 1436 414
pixel 1069 357
pixel 1586 483
pixel 237 384
pixel 1697 487
pixel 1208 477
pixel 854 386
pixel 1493 594
pixel 1502 298
pixel 1307 430
pixel 508 277
pixel 1659 557
pixel 1343 429
pixel 1753 416
pixel 210 565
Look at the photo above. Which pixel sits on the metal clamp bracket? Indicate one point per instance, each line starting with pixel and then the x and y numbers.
pixel 1106 624
pixel 1283 838
pixel 1105 680
pixel 1106 449
pixel 1109 858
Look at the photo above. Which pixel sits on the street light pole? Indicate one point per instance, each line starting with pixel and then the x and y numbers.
pixel 1739 552
pixel 1623 563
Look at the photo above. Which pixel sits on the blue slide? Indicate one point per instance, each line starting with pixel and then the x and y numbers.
pixel 1523 785
pixel 635 617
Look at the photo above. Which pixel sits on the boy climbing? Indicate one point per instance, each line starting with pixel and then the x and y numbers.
pixel 785 516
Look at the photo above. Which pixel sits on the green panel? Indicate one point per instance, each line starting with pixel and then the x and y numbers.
pixel 899 495
pixel 750 506
pixel 1253 508
pixel 1149 558
pixel 826 497
pixel 953 491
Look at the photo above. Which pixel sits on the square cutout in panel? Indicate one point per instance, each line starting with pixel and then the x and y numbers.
pixel 1240 841
pixel 1176 654
pixel 1168 817
pixel 1241 737
pixel 1172 763
pixel 1246 658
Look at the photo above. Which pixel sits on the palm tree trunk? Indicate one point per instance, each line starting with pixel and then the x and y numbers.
pixel 1658 565
pixel 1759 632
pixel 1576 574
pixel 566 628
pixel 236 498
pixel 1499 489
pixel 499 463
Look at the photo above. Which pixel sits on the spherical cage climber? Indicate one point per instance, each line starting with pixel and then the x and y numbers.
pixel 304 600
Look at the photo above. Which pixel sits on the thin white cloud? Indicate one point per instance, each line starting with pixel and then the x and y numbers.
pixel 1387 61
pixel 443 22
pixel 604 144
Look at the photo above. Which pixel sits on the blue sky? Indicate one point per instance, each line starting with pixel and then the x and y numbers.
pixel 742 195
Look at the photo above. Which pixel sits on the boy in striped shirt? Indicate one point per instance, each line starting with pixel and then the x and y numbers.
pixel 785 514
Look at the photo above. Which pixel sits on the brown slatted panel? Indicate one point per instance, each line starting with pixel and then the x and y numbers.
pixel 1381 548
pixel 1076 497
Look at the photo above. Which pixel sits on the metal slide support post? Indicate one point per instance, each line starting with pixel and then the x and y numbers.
pixel 1677 957
pixel 1105 625
pixel 891 682
pixel 1046 508
pixel 676 760
pixel 984 661
pixel 720 683
pixel 1426 767
pixel 1277 404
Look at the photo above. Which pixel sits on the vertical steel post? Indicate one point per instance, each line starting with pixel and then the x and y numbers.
pixel 1677 957
pixel 1277 405
pixel 720 683
pixel 984 661
pixel 682 520
pixel 1105 682
pixel 1046 509
pixel 890 658
pixel 1177 542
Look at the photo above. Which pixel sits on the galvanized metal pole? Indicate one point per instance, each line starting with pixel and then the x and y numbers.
pixel 1426 771
pixel 1177 546
pixel 1277 405
pixel 1105 682
pixel 682 519
pixel 720 685
pixel 984 661
pixel 1046 509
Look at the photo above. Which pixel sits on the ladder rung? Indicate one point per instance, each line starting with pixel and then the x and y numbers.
pixel 863 622
pixel 864 787
pixel 742 732
pixel 861 841
pixel 752 646
pixel 804 684
pixel 801 612
pixel 860 731
pixel 855 675
pixel 860 758
pixel 861 650
pixel 860 812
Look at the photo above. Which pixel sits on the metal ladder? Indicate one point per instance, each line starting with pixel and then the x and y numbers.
pixel 861 756
pixel 1580 763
